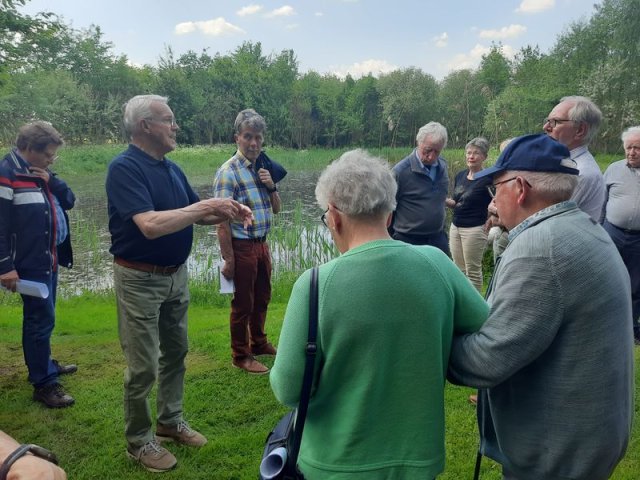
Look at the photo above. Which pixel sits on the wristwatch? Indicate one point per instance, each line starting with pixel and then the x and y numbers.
pixel 274 189
pixel 20 452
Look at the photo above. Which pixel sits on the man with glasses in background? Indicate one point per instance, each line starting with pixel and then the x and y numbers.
pixel 574 122
pixel 152 209
pixel 554 360
pixel 34 241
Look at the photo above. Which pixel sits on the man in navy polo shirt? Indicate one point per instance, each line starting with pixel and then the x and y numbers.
pixel 152 209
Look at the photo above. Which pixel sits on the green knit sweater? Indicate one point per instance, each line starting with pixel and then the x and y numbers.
pixel 387 313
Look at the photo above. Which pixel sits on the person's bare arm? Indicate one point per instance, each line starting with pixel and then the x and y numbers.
pixel 265 178
pixel 226 249
pixel 154 224
pixel 28 467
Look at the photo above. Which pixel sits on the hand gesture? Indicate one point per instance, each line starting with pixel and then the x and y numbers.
pixel 265 178
pixel 9 280
pixel 43 173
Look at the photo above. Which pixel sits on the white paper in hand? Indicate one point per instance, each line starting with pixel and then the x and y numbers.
pixel 33 289
pixel 226 286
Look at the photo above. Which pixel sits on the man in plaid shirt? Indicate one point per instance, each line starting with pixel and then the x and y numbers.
pixel 246 255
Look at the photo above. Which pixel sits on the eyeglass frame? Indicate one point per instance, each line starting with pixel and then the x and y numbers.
pixel 323 217
pixel 493 190
pixel 553 122
pixel 170 122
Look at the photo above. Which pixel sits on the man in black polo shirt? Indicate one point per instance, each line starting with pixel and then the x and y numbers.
pixel 152 209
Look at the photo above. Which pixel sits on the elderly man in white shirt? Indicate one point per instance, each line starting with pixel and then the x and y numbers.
pixel 574 122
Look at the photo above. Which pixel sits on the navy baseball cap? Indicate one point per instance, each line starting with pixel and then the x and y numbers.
pixel 533 153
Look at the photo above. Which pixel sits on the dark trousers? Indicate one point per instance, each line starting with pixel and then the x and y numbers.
pixel 38 320
pixel 438 240
pixel 252 280
pixel 628 245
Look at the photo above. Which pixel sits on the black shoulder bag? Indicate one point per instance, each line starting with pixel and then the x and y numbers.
pixel 281 449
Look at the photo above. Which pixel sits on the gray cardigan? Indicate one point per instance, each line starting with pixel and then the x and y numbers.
pixel 556 353
pixel 420 210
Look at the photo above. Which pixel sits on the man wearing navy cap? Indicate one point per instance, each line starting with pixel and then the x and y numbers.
pixel 554 360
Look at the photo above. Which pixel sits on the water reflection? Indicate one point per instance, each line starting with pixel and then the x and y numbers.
pixel 297 241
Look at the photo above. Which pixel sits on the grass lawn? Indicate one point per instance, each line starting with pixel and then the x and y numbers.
pixel 234 410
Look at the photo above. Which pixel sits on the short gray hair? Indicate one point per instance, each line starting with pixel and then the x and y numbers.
pixel 434 130
pixel 251 119
pixel 584 111
pixel 138 108
pixel 38 136
pixel 359 185
pixel 554 187
pixel 480 143
pixel 631 131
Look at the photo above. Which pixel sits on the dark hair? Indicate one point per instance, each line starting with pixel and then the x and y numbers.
pixel 37 136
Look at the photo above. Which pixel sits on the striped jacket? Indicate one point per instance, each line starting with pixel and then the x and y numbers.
pixel 27 220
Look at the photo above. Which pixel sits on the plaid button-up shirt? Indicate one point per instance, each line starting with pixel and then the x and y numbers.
pixel 237 179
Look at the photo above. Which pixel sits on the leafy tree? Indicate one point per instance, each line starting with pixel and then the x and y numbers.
pixel 409 100
pixel 463 106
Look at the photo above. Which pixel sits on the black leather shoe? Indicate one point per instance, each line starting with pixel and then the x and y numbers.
pixel 65 369
pixel 53 396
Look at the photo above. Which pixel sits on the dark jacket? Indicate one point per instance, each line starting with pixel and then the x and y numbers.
pixel 27 219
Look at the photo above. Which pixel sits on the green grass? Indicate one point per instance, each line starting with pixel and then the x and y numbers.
pixel 234 410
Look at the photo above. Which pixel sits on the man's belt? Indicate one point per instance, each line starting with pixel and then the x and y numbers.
pixel 255 240
pixel 146 267
pixel 628 231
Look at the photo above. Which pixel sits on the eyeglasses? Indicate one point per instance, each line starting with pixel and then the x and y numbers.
pixel 492 188
pixel 50 156
pixel 170 122
pixel 555 121
pixel 323 217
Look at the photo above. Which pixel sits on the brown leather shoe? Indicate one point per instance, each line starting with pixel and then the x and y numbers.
pixel 266 349
pixel 180 433
pixel 250 365
pixel 153 456
pixel 53 396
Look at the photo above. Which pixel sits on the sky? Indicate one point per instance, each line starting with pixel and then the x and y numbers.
pixel 327 36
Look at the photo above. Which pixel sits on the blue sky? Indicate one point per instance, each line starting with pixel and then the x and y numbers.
pixel 328 36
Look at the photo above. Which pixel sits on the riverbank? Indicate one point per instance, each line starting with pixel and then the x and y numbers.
pixel 234 410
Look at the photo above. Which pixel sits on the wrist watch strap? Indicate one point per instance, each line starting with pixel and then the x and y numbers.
pixel 20 452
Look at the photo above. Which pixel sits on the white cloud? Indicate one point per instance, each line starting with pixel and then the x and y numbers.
pixel 216 27
pixel 249 10
pixel 362 69
pixel 512 31
pixel 284 11
pixel 472 59
pixel 535 6
pixel 441 40
pixel 292 26
pixel 319 14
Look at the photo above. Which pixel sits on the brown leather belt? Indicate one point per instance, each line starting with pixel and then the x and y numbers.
pixel 254 240
pixel 146 267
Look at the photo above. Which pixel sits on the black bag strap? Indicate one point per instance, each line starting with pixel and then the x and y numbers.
pixel 305 391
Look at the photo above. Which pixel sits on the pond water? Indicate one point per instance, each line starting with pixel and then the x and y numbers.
pixel 298 239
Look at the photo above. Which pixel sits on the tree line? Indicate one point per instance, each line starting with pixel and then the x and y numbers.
pixel 72 78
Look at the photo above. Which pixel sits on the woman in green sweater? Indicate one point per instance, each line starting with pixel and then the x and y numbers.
pixel 387 313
